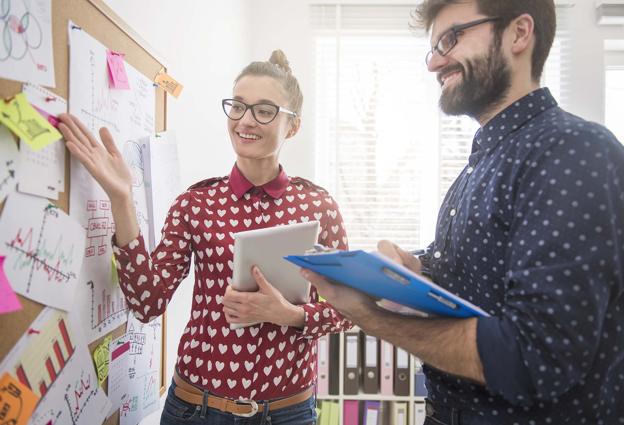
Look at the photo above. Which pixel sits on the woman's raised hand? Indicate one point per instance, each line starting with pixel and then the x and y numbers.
pixel 102 160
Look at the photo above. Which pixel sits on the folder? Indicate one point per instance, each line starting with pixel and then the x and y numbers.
pixel 334 417
pixel 325 415
pixel 386 372
pixel 370 415
pixel 420 389
pixel 399 413
pixel 420 413
pixel 334 364
pixel 380 277
pixel 330 413
pixel 322 386
pixel 351 412
pixel 370 362
pixel 352 363
pixel 401 372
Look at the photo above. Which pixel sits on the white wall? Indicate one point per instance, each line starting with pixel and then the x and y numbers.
pixel 205 44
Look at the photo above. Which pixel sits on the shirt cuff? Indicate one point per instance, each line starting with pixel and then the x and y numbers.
pixel 503 367
pixel 312 319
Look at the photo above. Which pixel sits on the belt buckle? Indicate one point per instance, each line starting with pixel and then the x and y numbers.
pixel 252 403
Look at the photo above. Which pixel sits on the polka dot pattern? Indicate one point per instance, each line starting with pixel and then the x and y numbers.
pixel 532 232
pixel 259 362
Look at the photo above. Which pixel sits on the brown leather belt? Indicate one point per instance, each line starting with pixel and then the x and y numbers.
pixel 246 408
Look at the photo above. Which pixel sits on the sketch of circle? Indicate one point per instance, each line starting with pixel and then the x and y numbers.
pixel 32 31
pixel 5 8
pixel 5 46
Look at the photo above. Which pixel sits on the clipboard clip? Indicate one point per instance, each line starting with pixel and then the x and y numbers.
pixel 319 249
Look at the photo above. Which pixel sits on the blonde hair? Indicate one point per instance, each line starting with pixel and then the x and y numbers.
pixel 278 68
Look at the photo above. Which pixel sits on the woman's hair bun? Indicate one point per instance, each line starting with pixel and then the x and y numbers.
pixel 278 58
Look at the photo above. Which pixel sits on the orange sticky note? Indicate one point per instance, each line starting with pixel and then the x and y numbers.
pixel 167 83
pixel 17 401
pixel 118 79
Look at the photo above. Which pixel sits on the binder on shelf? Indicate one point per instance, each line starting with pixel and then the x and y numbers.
pixel 330 413
pixel 370 364
pixel 334 364
pixel 401 372
pixel 334 417
pixel 351 412
pixel 325 414
pixel 420 413
pixel 352 363
pixel 370 416
pixel 386 372
pixel 420 390
pixel 385 412
pixel 399 413
pixel 322 386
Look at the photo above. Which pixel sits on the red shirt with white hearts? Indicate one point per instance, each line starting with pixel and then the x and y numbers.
pixel 260 362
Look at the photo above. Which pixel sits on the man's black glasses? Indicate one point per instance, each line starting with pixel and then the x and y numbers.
pixel 448 39
pixel 264 113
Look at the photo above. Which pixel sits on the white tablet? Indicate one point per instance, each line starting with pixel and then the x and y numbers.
pixel 266 248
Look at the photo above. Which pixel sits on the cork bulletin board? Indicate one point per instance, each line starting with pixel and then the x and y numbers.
pixel 102 23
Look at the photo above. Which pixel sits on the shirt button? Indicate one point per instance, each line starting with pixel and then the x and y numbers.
pixel 437 254
pixel 469 170
pixel 453 212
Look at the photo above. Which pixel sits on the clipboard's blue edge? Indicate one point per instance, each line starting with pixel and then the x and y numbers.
pixel 299 260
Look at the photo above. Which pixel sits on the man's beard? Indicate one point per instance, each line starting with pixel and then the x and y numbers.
pixel 484 84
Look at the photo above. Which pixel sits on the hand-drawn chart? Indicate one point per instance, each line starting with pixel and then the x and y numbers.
pixel 26 48
pixel 54 363
pixel 129 115
pixel 143 370
pixel 43 248
pixel 9 155
pixel 42 173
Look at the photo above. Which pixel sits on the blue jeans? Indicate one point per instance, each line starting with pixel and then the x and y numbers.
pixel 178 412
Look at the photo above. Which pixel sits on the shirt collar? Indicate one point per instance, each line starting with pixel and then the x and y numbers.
pixel 513 117
pixel 275 188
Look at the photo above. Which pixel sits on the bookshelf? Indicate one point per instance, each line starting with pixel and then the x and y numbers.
pixel 411 399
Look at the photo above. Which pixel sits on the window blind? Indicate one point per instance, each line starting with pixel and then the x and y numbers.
pixel 383 148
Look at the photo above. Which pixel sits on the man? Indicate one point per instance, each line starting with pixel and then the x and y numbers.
pixel 532 231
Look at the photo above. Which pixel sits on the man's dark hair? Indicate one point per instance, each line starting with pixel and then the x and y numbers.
pixel 542 11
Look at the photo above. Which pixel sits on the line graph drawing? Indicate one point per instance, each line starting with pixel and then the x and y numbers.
pixel 78 394
pixel 26 47
pixel 44 249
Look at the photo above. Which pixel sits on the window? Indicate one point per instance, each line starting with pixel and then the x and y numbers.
pixel 614 89
pixel 384 149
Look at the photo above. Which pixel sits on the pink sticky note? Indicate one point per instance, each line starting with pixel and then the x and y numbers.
pixel 8 300
pixel 118 79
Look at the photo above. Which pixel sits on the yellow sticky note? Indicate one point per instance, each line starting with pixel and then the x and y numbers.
pixel 17 401
pixel 167 83
pixel 28 124
pixel 114 275
pixel 101 358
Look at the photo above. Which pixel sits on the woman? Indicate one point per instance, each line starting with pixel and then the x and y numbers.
pixel 265 372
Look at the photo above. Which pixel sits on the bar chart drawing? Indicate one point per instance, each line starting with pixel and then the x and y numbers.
pixel 41 365
pixel 105 307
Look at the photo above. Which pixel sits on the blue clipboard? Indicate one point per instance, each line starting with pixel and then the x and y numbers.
pixel 381 277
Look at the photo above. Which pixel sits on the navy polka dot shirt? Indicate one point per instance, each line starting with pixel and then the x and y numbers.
pixel 532 232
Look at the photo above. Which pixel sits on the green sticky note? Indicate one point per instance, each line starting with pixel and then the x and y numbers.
pixel 28 124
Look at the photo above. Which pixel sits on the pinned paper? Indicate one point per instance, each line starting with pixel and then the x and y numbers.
pixel 167 83
pixel 23 120
pixel 118 79
pixel 101 357
pixel 17 401
pixel 118 380
pixel 9 163
pixel 8 300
